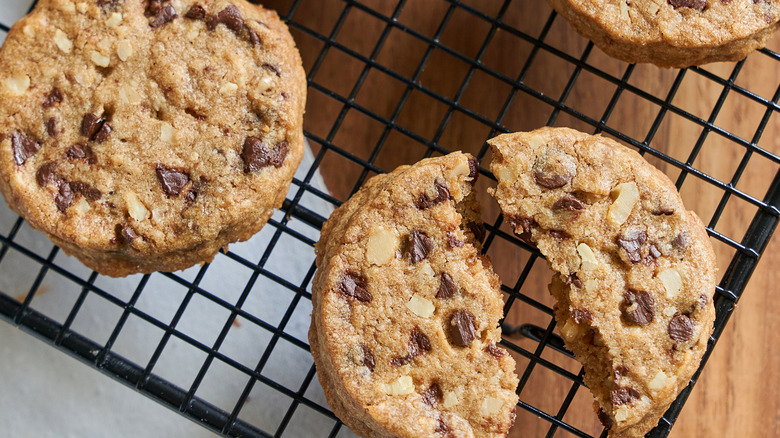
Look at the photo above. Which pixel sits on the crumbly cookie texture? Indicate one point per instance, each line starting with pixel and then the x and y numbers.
pixel 634 271
pixel 673 33
pixel 405 312
pixel 145 135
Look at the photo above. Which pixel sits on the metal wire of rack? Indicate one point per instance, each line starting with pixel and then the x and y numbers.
pixel 298 224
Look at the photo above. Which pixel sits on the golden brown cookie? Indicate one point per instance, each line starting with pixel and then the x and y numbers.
pixel 145 135
pixel 405 312
pixel 673 33
pixel 634 271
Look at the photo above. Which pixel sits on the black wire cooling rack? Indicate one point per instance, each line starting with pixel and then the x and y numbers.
pixel 290 401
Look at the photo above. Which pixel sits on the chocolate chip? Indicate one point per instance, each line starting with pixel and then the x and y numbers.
pixel 495 351
pixel 103 133
pixel 604 419
pixel 568 202
pixel 196 12
pixel 618 374
pixel 64 198
pixel 632 242
pixel 638 307
pixel 419 246
pixel 354 285
pixel 191 195
pixel 443 428
pixel 581 315
pixel 230 17
pixel 164 15
pixel 368 358
pixel 418 343
pixel 473 170
pixel 273 68
pixel 680 241
pixel 703 300
pixel 54 97
pixel 447 288
pixel 51 126
pixel 23 147
pixel 171 179
pixel 433 395
pixel 257 156
pixel 90 125
pixel 462 330
pixel 399 361
pixel 653 253
pixel 624 395
pixel 478 230
pixel 681 328
pixel 560 234
pixel 453 241
pixel 522 227
pixel 698 5
pixel 108 5
pixel 551 181
pixel 81 152
pixel 46 174
pixel 85 190
pixel 424 202
pixel 129 234
pixel 663 210
pixel 573 279
pixel 254 38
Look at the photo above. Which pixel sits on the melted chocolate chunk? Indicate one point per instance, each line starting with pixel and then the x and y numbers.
pixel 581 315
pixel 604 419
pixel 522 227
pixel 680 241
pixel 104 132
pixel 254 38
pixel 618 374
pixel 164 14
pixel 399 361
pixel 447 288
pixel 53 98
pixel 473 170
pixel 698 5
pixel 632 242
pixel 453 241
pixel 418 343
pixel 196 12
pixel 433 395
pixel 478 230
pixel 443 428
pixel 551 180
pixel 424 202
pixel 273 68
pixel 129 234
pixel 230 17
pixel 495 351
pixel 560 234
pixel 81 152
pixel 51 126
pixel 664 210
pixel 257 156
pixel 419 246
pixel 624 395
pixel 569 203
pixel 64 198
pixel 92 126
pixel 638 307
pixel 171 179
pixel 46 174
pixel 462 330
pixel 85 190
pixel 368 358
pixel 573 279
pixel 653 253
pixel 353 285
pixel 23 147
pixel 681 328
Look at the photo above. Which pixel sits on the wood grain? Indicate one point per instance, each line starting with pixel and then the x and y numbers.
pixel 736 394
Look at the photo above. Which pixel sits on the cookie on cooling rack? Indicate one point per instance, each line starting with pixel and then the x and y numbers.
pixel 634 271
pixel 145 135
pixel 673 33
pixel 404 328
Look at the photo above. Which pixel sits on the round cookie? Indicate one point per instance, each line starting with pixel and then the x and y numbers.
pixel 634 271
pixel 145 135
pixel 405 312
pixel 673 33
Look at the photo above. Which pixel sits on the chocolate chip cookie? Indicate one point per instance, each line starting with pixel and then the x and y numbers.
pixel 145 135
pixel 634 271
pixel 404 327
pixel 673 33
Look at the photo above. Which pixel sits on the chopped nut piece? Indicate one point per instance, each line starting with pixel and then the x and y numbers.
pixel 228 89
pixel 621 414
pixel 381 247
pixel 68 7
pixel 81 7
pixel 114 19
pixel 421 306
pixel 659 382
pixel 17 85
pixel 402 386
pixel 265 83
pixel 462 169
pixel 62 41
pixel 589 261
pixel 29 31
pixel 124 50
pixel 625 196
pixel 135 207
pixel 100 59
pixel 167 132
pixel 672 281
pixel 129 95
pixel 81 206
pixel 450 399
pixel 491 405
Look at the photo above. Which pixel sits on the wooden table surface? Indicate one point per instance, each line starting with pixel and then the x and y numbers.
pixel 736 394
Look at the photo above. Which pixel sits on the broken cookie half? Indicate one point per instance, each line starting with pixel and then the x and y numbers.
pixel 406 310
pixel 634 271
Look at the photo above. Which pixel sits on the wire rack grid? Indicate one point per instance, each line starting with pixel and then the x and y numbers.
pixel 272 391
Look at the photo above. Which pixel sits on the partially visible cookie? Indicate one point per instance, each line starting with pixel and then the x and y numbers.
pixel 405 312
pixel 634 271
pixel 673 33
pixel 145 135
